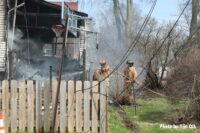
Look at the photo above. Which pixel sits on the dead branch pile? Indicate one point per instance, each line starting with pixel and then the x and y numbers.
pixel 184 82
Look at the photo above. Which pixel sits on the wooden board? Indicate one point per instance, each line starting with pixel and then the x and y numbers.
pixel 46 88
pixel 38 107
pixel 6 98
pixel 14 106
pixel 30 106
pixel 54 90
pixel 0 95
pixel 87 106
pixel 63 108
pixel 22 106
pixel 71 106
pixel 79 106
pixel 95 107
pixel 103 107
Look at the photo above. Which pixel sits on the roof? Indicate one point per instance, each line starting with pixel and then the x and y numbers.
pixel 72 5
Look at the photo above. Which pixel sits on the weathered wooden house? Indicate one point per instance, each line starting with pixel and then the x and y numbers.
pixel 27 41
pixel 28 46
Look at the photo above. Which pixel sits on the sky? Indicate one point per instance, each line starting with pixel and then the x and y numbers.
pixel 165 10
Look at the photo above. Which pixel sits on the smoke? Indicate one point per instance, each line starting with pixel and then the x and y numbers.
pixel 28 60
pixel 112 49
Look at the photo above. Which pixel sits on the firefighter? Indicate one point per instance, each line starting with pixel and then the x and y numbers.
pixel 103 72
pixel 130 75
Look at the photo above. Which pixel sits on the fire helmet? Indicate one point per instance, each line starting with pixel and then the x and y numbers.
pixel 129 62
pixel 102 62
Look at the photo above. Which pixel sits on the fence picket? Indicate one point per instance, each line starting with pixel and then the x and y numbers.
pixel 30 101
pixel 95 107
pixel 5 105
pixel 54 90
pixel 71 106
pixel 46 89
pixel 38 107
pixel 63 109
pixel 103 107
pixel 22 106
pixel 0 95
pixel 14 106
pixel 31 106
pixel 87 106
pixel 79 106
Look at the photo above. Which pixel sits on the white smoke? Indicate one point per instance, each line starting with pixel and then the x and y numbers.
pixel 29 62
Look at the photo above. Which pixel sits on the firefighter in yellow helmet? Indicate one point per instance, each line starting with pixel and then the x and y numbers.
pixel 130 76
pixel 103 72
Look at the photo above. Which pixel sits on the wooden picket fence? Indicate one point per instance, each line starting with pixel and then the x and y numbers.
pixel 28 106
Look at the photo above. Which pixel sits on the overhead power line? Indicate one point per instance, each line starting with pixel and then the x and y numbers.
pixel 168 35
pixel 131 48
pixel 133 44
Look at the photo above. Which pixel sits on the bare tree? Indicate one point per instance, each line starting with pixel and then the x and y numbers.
pixel 120 19
pixel 151 45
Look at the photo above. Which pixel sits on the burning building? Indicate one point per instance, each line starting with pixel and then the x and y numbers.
pixel 33 43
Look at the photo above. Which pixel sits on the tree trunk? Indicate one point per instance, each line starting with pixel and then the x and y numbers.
pixel 120 20
pixel 129 21
pixel 195 12
pixel 152 81
pixel 165 61
pixel 116 8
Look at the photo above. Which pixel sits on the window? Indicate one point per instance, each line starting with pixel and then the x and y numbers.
pixel 72 20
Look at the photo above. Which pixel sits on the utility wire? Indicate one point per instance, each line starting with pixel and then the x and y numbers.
pixel 133 44
pixel 189 40
pixel 168 35
pixel 135 41
pixel 137 38
pixel 114 99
